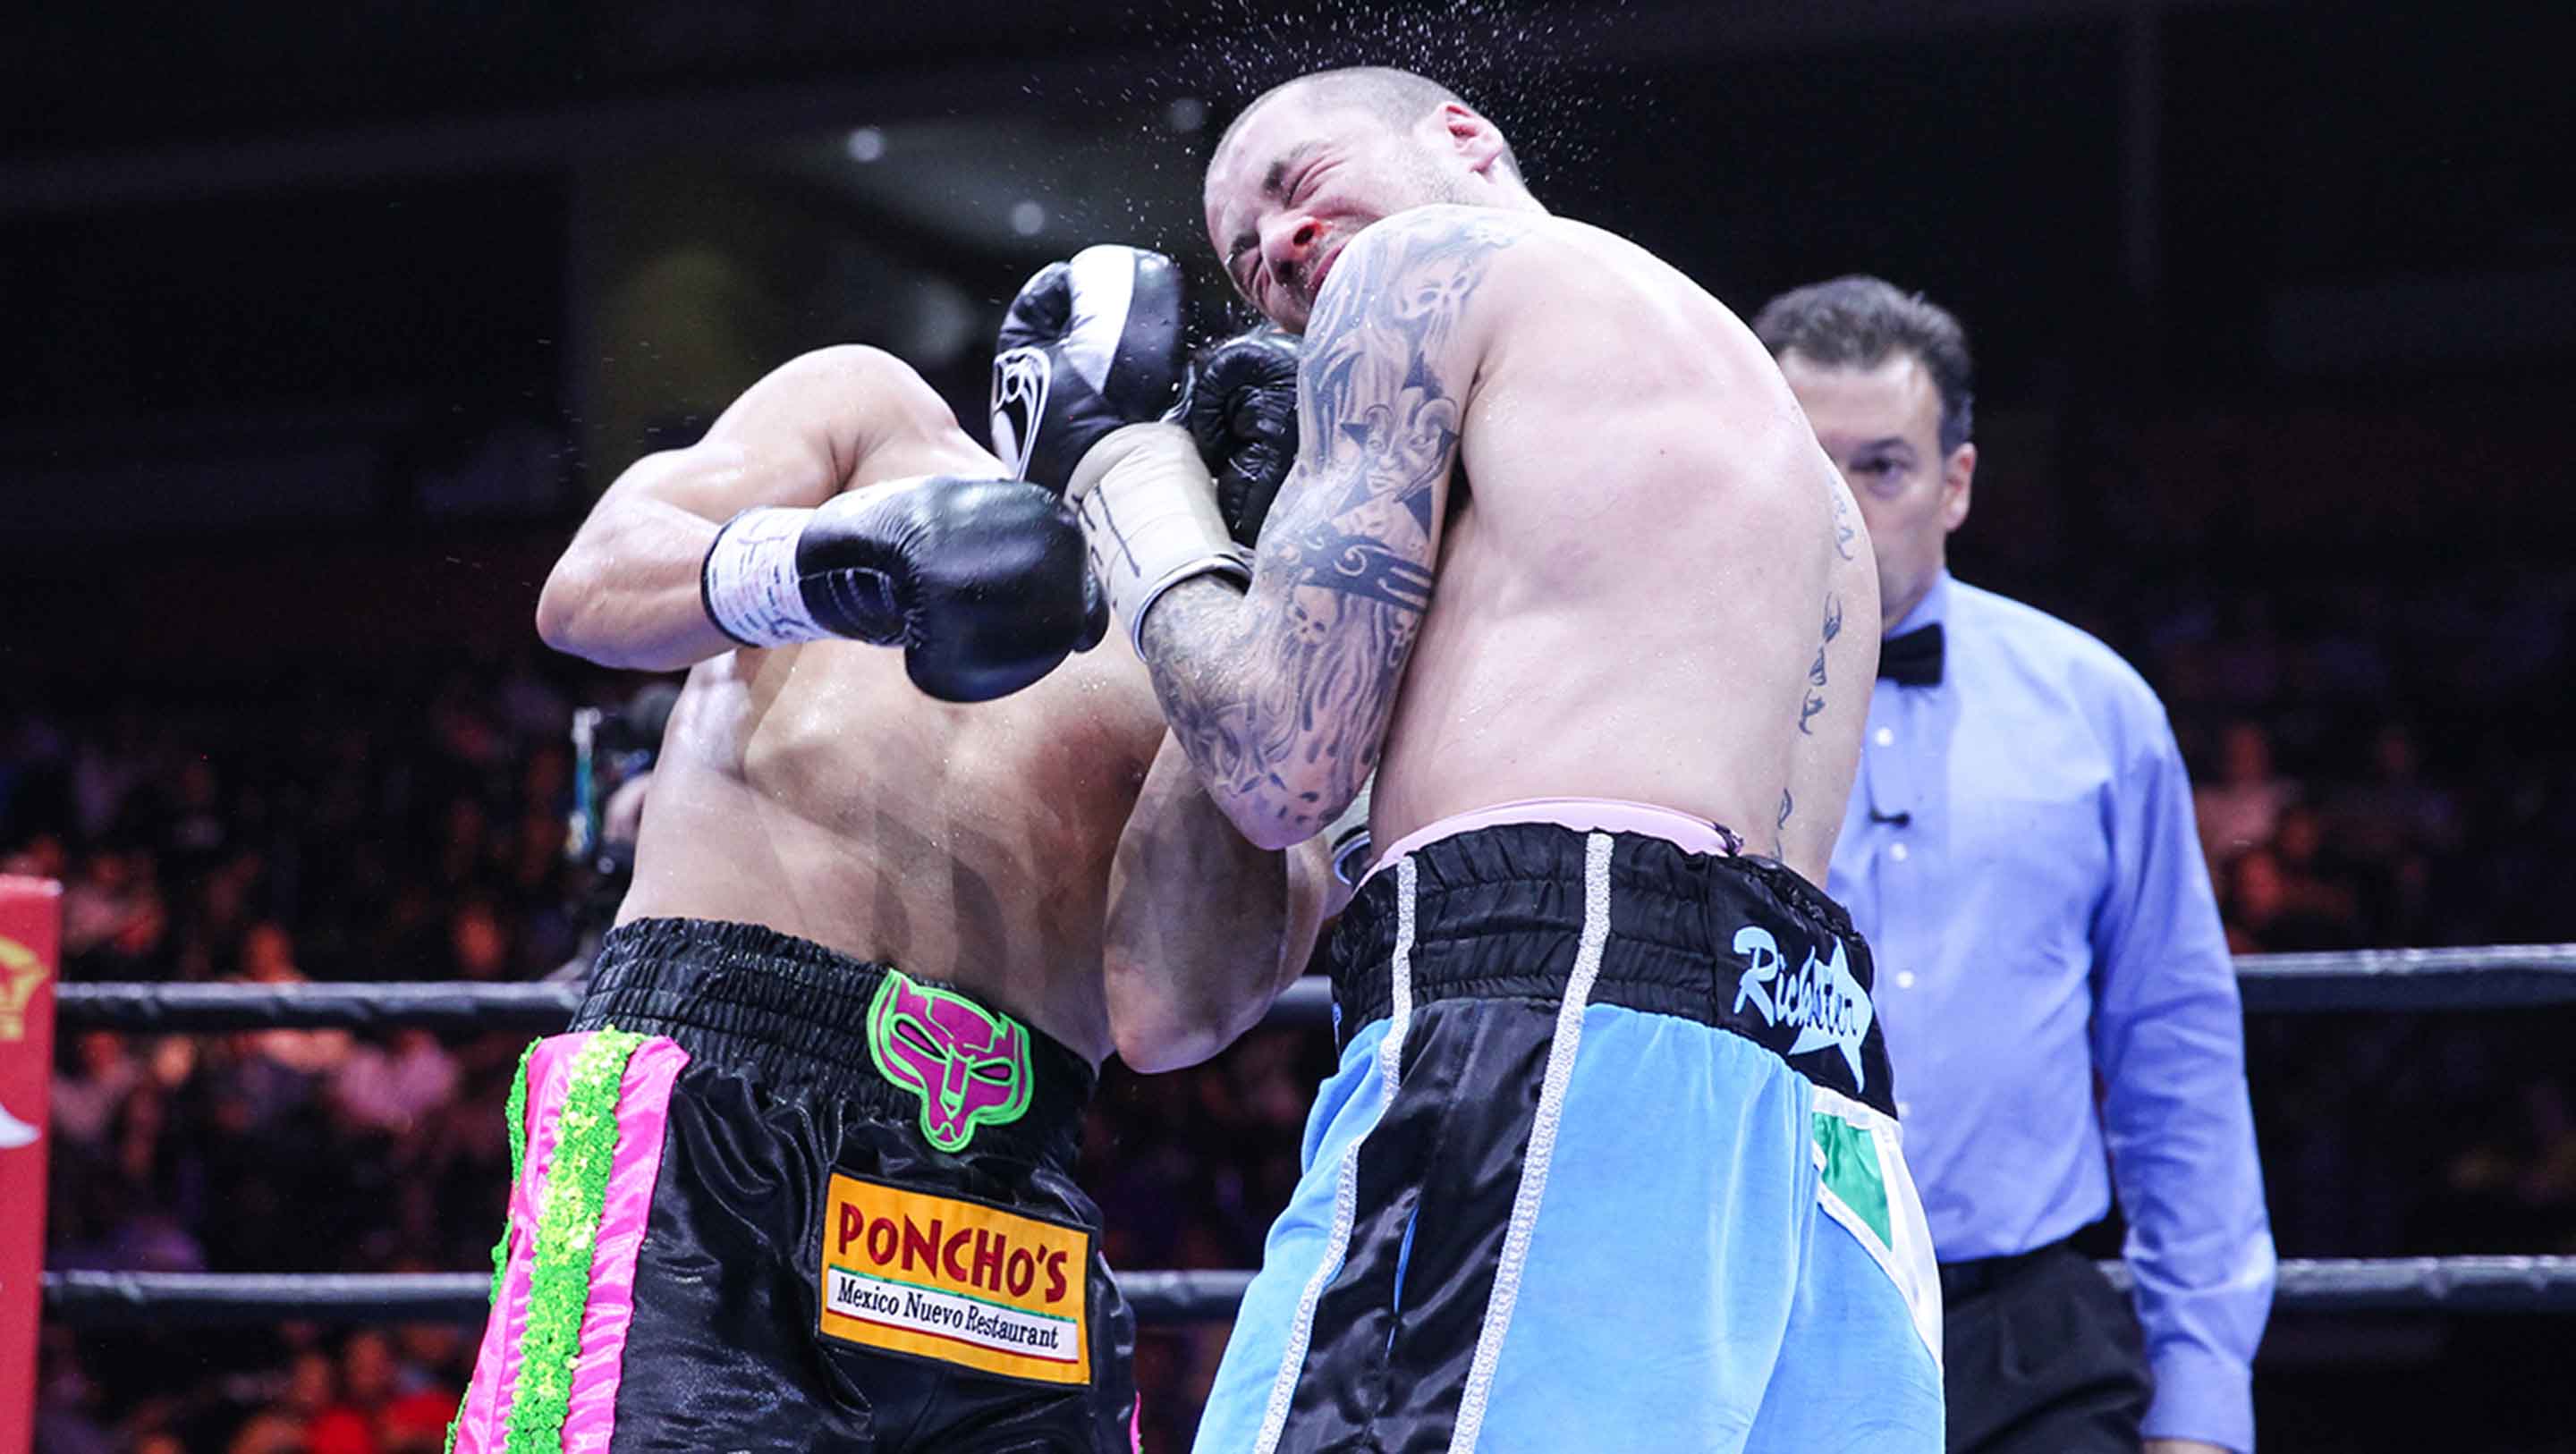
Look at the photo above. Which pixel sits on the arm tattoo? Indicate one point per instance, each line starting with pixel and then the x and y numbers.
pixel 1844 531
pixel 1360 565
pixel 1816 674
pixel 1281 697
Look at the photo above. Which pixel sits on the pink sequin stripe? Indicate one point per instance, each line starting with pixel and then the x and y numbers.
pixel 643 1111
pixel 1584 815
pixel 484 1421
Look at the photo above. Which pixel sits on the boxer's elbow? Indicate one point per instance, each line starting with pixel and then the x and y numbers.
pixel 559 611
pixel 1276 834
pixel 1280 812
pixel 1165 1014
pixel 580 613
pixel 570 614
pixel 1159 1050
pixel 1155 1025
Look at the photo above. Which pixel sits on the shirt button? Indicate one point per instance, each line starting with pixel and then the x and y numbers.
pixel 1884 737
pixel 1897 852
pixel 1905 979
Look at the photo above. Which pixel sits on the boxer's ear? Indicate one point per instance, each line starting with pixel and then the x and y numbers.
pixel 1469 136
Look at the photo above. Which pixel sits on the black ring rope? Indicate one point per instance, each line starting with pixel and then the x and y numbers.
pixel 2323 1285
pixel 2483 978
pixel 2478 978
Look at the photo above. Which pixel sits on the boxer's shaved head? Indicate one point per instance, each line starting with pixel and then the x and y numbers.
pixel 1398 98
pixel 1310 164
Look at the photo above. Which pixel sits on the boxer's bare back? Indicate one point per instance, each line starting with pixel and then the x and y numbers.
pixel 1656 588
pixel 812 788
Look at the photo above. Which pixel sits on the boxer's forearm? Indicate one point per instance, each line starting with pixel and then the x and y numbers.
pixel 1277 712
pixel 1282 694
pixel 626 593
pixel 1204 928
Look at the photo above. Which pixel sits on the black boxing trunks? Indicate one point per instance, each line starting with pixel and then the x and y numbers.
pixel 768 1197
pixel 1610 1162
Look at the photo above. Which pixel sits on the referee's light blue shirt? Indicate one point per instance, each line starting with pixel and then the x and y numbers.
pixel 2055 987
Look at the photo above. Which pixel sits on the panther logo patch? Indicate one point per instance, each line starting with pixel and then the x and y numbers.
pixel 969 1066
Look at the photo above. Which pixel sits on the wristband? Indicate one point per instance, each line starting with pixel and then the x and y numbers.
pixel 748 582
pixel 1149 519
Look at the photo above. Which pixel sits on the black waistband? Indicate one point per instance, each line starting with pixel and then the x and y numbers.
pixel 1979 1275
pixel 792 1015
pixel 1744 944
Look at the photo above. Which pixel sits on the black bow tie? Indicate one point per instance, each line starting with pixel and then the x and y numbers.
pixel 1913 659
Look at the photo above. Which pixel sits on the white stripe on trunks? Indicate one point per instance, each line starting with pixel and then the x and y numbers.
pixel 1542 1145
pixel 1346 1186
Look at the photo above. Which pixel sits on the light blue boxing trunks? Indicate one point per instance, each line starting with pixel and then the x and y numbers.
pixel 1609 1162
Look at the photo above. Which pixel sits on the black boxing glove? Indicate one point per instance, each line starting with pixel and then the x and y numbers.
pixel 983 583
pixel 1087 346
pixel 1242 413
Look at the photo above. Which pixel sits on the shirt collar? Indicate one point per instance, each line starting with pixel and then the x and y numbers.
pixel 1933 608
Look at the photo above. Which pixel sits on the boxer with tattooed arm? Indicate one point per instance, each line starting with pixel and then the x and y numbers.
pixel 1613 1134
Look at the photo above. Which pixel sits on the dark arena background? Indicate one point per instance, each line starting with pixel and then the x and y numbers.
pixel 327 323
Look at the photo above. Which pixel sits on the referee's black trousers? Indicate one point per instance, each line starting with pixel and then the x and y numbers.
pixel 2041 1355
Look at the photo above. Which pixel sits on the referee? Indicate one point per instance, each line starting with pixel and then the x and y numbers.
pixel 2053 981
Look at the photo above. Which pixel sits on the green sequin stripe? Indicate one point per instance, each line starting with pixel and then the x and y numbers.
pixel 567 1233
pixel 517 1112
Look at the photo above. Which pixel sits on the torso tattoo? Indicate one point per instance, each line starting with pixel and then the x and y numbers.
pixel 1814 702
pixel 1816 673
pixel 1281 699
pixel 1844 530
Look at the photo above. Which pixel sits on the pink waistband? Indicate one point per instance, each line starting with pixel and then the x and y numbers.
pixel 1609 815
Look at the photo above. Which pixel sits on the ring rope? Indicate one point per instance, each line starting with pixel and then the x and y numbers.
pixel 533 1008
pixel 2473 978
pixel 87 1299
pixel 2493 977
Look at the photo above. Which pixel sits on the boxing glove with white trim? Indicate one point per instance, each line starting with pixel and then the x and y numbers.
pixel 1087 346
pixel 982 583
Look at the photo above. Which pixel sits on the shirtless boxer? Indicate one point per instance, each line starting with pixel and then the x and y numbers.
pixel 800 1175
pixel 1610 1160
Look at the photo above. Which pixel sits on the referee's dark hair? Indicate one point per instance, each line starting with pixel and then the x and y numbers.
pixel 1857 321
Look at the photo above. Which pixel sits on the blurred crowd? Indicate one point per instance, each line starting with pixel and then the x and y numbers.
pixel 2378 762
pixel 344 830
pixel 347 829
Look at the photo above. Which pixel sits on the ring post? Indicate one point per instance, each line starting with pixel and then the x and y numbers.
pixel 30 936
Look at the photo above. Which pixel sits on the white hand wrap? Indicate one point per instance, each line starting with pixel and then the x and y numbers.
pixel 1149 515
pixel 748 582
